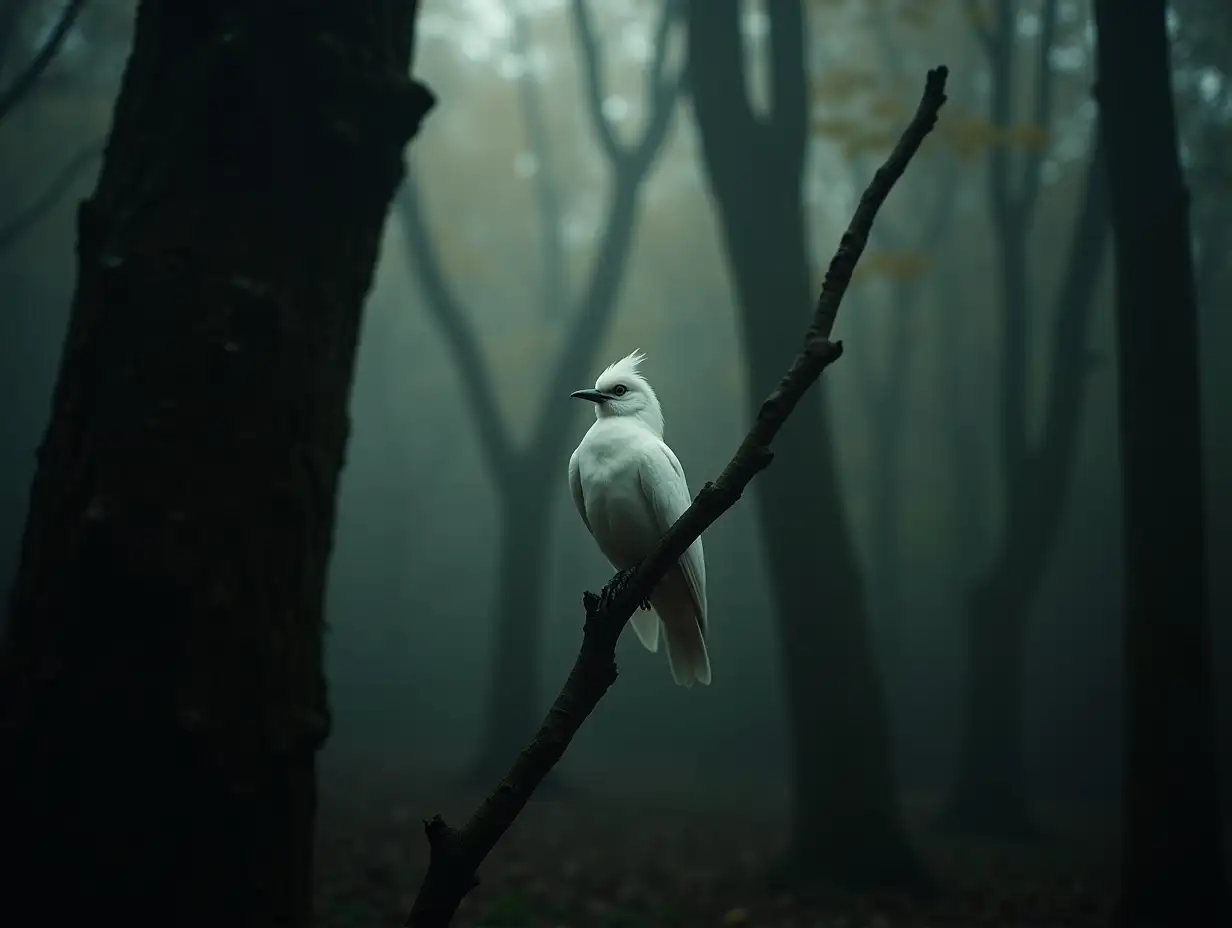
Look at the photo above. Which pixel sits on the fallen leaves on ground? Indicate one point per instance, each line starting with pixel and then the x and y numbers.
pixel 613 861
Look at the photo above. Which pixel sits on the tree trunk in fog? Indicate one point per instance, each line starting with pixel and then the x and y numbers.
pixel 847 823
pixel 530 477
pixel 161 689
pixel 1173 866
pixel 513 704
pixel 988 794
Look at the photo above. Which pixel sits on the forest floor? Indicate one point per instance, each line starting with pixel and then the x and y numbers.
pixel 614 857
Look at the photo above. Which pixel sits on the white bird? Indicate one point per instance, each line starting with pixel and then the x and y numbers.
pixel 629 489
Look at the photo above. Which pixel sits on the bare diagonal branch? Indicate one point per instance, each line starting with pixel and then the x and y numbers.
pixel 34 70
pixel 454 322
pixel 13 231
pixel 456 854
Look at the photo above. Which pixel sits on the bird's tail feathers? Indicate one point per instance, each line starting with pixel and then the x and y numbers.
pixel 686 653
pixel 646 627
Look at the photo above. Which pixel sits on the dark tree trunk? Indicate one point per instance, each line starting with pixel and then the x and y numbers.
pixel 888 428
pixel 988 794
pixel 847 824
pixel 1173 867
pixel 161 688
pixel 513 707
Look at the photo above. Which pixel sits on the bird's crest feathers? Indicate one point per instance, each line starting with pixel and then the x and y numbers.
pixel 637 400
pixel 627 367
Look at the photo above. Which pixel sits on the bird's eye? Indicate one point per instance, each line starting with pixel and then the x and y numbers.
pixel 620 389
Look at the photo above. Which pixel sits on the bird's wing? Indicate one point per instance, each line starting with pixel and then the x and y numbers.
pixel 667 497
pixel 575 488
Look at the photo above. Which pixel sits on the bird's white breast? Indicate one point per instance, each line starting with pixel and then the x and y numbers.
pixel 610 461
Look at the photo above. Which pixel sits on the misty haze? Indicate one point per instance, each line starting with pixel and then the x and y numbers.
pixel 301 427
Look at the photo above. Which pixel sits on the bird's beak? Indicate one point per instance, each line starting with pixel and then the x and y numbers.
pixel 595 396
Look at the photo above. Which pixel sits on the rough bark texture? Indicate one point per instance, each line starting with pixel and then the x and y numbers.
pixel 1173 867
pixel 847 822
pixel 161 689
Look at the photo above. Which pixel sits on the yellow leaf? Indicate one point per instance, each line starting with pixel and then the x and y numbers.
pixel 1027 135
pixel 919 15
pixel 888 108
pixel 870 142
pixel 968 135
pixel 842 128
pixel 981 14
pixel 458 255
pixel 837 85
pixel 895 265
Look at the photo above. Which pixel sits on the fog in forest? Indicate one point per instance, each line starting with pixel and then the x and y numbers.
pixel 555 222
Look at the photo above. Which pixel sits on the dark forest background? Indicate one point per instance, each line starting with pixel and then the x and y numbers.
pixel 920 604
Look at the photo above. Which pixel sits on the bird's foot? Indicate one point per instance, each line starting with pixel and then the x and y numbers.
pixel 611 592
pixel 616 587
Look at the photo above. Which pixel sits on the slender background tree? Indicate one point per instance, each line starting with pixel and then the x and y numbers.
pixel 527 473
pixel 846 820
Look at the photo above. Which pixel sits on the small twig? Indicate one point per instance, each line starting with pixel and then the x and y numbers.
pixel 457 853
pixel 12 231
pixel 34 70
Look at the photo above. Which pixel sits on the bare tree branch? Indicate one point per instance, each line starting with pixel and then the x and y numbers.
pixel 456 854
pixel 27 78
pixel 17 227
pixel 547 196
pixel 592 74
pixel 596 301
pixel 659 87
pixel 447 310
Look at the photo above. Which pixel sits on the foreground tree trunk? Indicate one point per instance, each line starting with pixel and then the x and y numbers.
pixel 847 823
pixel 161 689
pixel 1173 867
